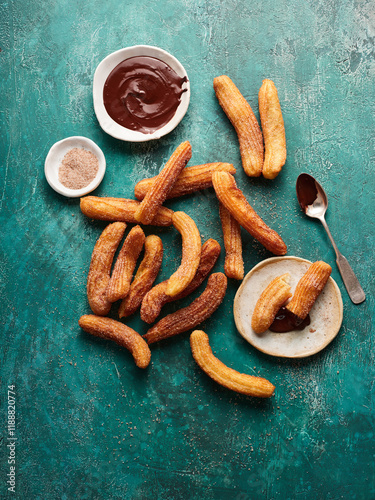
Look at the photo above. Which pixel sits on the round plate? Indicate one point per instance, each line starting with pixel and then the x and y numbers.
pixel 326 314
pixel 101 74
pixel 54 159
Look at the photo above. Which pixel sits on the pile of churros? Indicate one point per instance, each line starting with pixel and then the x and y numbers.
pixel 111 280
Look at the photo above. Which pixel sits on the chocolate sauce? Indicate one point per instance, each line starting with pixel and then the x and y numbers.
pixel 143 93
pixel 285 321
pixel 307 191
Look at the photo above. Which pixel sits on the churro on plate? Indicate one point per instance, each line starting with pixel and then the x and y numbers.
pixel 308 289
pixel 271 299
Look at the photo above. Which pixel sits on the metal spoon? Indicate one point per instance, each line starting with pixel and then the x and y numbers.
pixel 313 201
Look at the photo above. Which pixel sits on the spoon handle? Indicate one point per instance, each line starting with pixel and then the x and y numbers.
pixel 350 280
pixel 354 289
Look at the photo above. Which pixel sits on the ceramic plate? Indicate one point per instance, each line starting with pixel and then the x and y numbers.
pixel 326 314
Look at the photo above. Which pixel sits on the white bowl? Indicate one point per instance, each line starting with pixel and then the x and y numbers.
pixel 54 159
pixel 101 74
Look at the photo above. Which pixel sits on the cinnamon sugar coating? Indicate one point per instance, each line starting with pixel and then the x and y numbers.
pixel 222 374
pixel 189 317
pixel 239 112
pixel 120 209
pixel 271 299
pixel 119 284
pixel 78 168
pixel 191 179
pixel 308 288
pixel 145 276
pixel 100 267
pixel 234 200
pixel 123 335
pixel 156 298
pixel 163 183
pixel 233 266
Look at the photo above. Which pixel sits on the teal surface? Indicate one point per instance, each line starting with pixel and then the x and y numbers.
pixel 89 423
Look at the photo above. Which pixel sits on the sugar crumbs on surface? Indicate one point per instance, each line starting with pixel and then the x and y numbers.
pixel 78 168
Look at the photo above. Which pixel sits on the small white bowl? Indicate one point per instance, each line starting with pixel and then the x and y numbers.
pixel 54 159
pixel 101 74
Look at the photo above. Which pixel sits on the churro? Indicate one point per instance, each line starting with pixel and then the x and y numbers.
pixel 273 130
pixel 191 253
pixel 234 200
pixel 119 284
pixel 308 289
pixel 123 335
pixel 100 267
pixel 233 265
pixel 163 183
pixel 120 209
pixel 189 317
pixel 145 276
pixel 191 179
pixel 271 299
pixel 156 298
pixel 241 115
pixel 222 374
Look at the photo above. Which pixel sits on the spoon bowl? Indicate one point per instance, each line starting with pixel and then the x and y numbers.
pixel 311 196
pixel 314 202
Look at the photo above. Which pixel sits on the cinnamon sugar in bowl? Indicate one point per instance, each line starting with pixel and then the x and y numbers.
pixel 74 166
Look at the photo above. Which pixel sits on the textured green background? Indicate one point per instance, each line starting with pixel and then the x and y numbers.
pixel 90 424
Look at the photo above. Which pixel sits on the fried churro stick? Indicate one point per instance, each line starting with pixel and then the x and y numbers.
pixel 123 335
pixel 156 298
pixel 308 289
pixel 119 284
pixel 120 209
pixel 191 253
pixel 145 276
pixel 273 130
pixel 163 183
pixel 100 267
pixel 222 374
pixel 241 115
pixel 191 316
pixel 234 200
pixel 191 179
pixel 271 299
pixel 233 266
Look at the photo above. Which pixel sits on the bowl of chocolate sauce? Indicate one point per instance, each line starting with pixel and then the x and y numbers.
pixel 288 336
pixel 140 93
